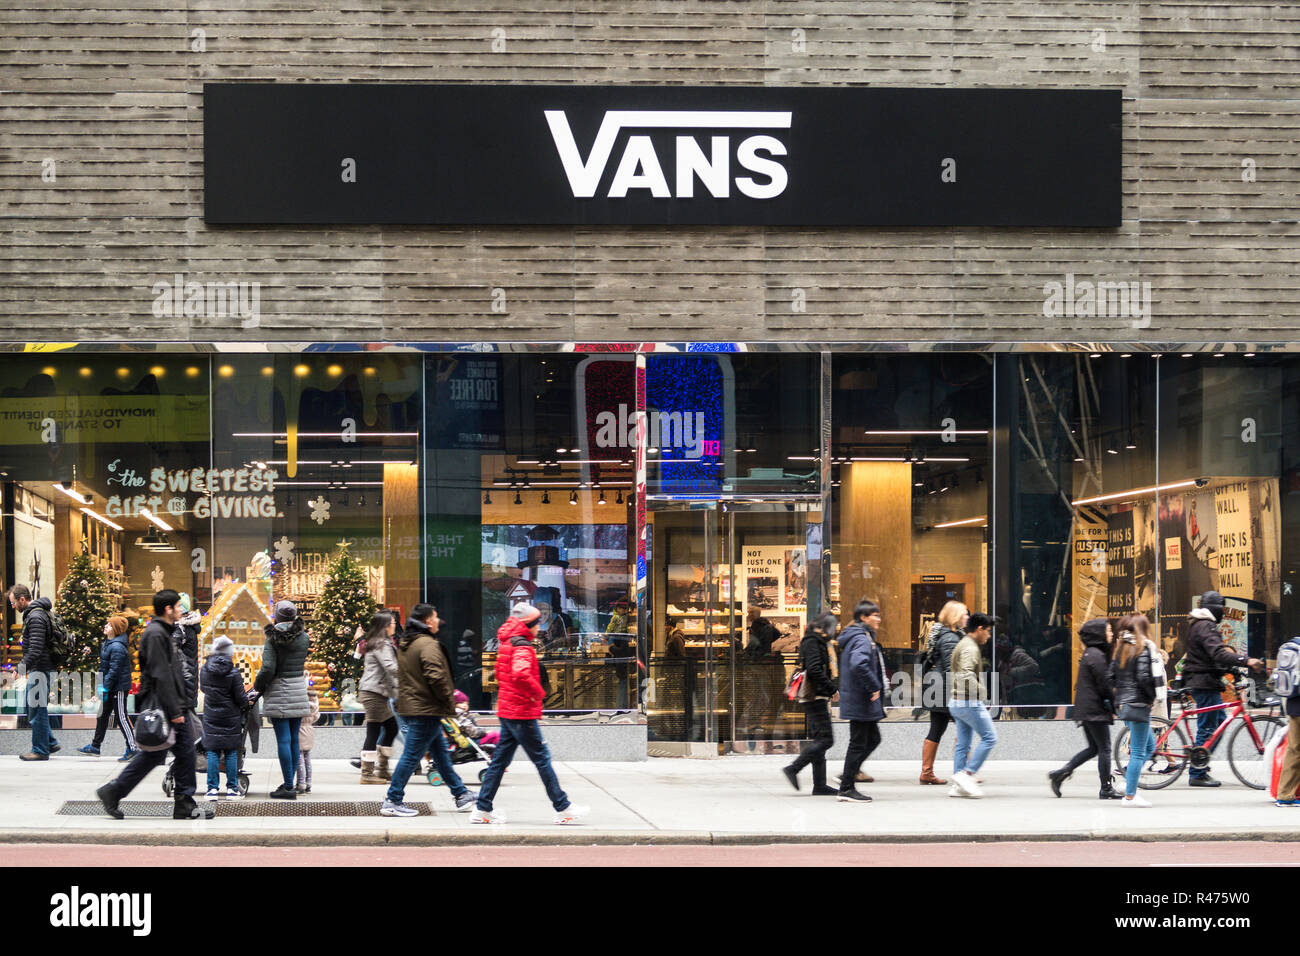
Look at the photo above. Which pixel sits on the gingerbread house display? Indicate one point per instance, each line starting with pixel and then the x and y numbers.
pixel 241 613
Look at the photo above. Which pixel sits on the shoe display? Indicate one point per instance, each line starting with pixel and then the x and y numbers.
pixel 390 809
pixel 90 750
pixel 573 813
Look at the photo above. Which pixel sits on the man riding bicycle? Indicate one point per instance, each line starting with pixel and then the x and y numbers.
pixel 1207 660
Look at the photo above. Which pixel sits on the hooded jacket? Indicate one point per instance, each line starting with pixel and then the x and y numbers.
pixel 1208 658
pixel 223 703
pixel 862 674
pixel 162 674
pixel 424 684
pixel 115 664
pixel 282 681
pixel 1094 692
pixel 520 693
pixel 815 658
pixel 36 636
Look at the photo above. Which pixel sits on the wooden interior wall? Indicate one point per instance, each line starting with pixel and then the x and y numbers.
pixel 401 525
pixel 874 548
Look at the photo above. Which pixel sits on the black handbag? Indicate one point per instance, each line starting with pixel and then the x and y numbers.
pixel 153 731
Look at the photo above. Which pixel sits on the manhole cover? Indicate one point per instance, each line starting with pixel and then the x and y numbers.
pixel 242 808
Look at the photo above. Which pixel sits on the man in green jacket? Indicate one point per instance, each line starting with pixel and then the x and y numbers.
pixel 425 695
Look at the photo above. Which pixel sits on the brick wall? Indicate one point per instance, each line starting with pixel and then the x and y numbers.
pixel 111 93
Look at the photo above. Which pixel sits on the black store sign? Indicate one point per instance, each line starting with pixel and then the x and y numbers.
pixel 572 155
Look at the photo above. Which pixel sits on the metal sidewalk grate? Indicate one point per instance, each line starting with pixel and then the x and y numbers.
pixel 242 808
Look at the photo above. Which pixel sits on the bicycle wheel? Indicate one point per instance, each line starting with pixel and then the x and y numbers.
pixel 1165 765
pixel 1246 759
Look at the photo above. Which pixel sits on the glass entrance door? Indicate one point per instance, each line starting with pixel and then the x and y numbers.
pixel 729 592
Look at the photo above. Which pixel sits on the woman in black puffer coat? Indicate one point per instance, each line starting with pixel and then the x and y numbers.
pixel 1094 702
pixel 815 659
pixel 223 716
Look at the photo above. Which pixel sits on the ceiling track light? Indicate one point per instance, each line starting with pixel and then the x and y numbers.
pixel 487 497
pixel 618 499
pixel 601 499
pixel 573 498
pixel 546 497
pixel 155 519
pixel 73 493
pixel 518 500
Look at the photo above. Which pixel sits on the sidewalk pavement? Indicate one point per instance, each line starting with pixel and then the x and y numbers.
pixel 729 800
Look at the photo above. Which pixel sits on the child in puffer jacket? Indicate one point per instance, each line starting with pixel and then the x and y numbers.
pixel 307 740
pixel 469 726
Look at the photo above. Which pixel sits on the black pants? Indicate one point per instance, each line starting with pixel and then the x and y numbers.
pixel 1098 733
pixel 380 734
pixel 939 721
pixel 182 769
pixel 864 737
pixel 113 704
pixel 822 737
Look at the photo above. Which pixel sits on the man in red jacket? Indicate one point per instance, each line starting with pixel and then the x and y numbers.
pixel 519 707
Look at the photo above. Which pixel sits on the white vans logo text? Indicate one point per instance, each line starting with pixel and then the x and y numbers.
pixel 75 909
pixel 640 168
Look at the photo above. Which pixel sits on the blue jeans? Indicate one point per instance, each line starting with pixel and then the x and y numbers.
pixel 424 734
pixel 1207 724
pixel 1141 744
pixel 231 759
pixel 286 745
pixel 38 713
pixel 516 734
pixel 401 722
pixel 972 718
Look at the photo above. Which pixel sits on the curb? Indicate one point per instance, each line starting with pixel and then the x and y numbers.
pixel 575 836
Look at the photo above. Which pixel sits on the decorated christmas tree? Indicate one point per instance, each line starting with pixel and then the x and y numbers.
pixel 84 604
pixel 344 603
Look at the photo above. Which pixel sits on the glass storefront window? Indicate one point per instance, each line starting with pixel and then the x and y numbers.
pixel 911 494
pixel 529 496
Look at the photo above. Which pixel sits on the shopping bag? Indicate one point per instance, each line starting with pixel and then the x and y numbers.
pixel 1274 753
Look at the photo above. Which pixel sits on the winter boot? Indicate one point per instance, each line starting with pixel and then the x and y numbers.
pixel 930 750
pixel 1108 792
pixel 381 768
pixel 368 768
pixel 186 809
pixel 1057 777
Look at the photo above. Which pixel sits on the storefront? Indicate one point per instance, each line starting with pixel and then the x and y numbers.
pixel 657 500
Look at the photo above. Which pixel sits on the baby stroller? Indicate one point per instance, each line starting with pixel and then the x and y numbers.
pixel 252 714
pixel 463 749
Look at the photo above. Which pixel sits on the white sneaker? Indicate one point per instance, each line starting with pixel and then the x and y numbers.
pixel 964 782
pixel 487 816
pixel 573 813
pixel 212 795
pixel 955 791
pixel 234 795
pixel 1137 800
pixel 976 791
pixel 390 809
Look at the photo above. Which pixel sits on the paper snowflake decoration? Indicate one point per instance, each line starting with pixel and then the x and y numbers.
pixel 320 510
pixel 284 548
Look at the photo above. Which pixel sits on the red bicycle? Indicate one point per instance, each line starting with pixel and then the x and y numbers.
pixel 1247 742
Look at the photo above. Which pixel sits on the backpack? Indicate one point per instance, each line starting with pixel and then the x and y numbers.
pixel 56 642
pixel 1286 675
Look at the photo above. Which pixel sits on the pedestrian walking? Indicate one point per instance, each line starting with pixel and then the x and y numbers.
pixel 377 688
pixel 1207 660
pixel 1136 680
pixel 945 634
pixel 115 674
pixel 224 700
pixel 282 685
pixel 967 706
pixel 815 659
pixel 424 698
pixel 306 741
pixel 1288 784
pixel 1094 707
pixel 162 687
pixel 36 665
pixel 862 688
pixel 519 708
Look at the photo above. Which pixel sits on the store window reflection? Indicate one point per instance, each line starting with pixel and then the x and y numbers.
pixel 316 453
pixel 89 450
pixel 529 497
pixel 911 482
